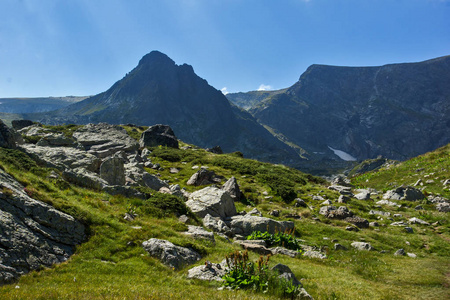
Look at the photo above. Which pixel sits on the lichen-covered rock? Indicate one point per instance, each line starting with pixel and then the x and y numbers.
pixel 135 174
pixel 202 177
pixel 32 234
pixel 443 207
pixel 213 201
pixel 169 254
pixel 216 224
pixel 158 135
pixel 199 232
pixel 358 221
pixel 208 271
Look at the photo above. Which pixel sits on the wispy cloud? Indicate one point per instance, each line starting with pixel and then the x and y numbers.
pixel 264 87
pixel 224 90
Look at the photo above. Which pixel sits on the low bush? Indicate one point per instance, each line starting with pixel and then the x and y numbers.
pixel 284 239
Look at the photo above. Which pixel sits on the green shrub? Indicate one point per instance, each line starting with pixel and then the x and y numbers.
pixel 244 274
pixel 284 239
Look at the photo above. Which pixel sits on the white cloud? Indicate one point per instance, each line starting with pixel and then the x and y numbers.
pixel 224 90
pixel 264 87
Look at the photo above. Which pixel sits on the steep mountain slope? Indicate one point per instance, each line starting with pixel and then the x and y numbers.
pixel 397 111
pixel 252 98
pixel 159 91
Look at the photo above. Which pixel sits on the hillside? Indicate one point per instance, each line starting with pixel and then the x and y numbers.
pixel 397 111
pixel 112 263
pixel 250 99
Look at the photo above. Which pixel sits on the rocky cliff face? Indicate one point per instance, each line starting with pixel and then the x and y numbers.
pixel 158 91
pixel 397 111
pixel 33 234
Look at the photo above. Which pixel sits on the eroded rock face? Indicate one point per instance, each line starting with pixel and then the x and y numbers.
pixel 171 255
pixel 103 140
pixel 232 188
pixel 32 233
pixel 159 135
pixel 113 171
pixel 213 201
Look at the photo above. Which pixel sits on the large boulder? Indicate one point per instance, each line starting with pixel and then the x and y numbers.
pixel 404 193
pixel 7 136
pixel 213 201
pixel 103 140
pixel 171 255
pixel 159 135
pixel 63 157
pixel 135 174
pixel 245 225
pixel 32 234
pixel 84 178
pixel 202 177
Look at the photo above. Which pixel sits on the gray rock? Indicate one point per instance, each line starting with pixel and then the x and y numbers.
pixel 63 157
pixel 299 203
pixel 412 255
pixel 158 135
pixel 343 199
pixel 275 213
pixel 409 230
pixel 145 153
pixel 418 221
pixel 202 177
pixel 358 221
pixel 388 203
pixel 7 136
pixel 255 212
pixel 314 254
pixel 183 219
pixel 174 170
pixel 343 181
pixel 318 198
pixel 443 207
pixel 332 212
pixel 216 224
pixel 374 224
pixel 363 195
pixel 404 193
pixel 248 245
pixel 284 251
pixel 169 254
pixel 245 225
pixel 135 175
pixel 398 215
pixel 326 202
pixel 199 232
pixel 113 171
pixel 400 223
pixel 213 201
pixel 208 272
pixel 56 140
pixel 378 212
pixel 232 188
pixel 84 178
pixel 33 234
pixel 418 207
pixel 286 273
pixel 103 140
pixel 362 246
pixel 400 252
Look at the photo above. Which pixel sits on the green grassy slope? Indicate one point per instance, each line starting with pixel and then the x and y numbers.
pixel 112 265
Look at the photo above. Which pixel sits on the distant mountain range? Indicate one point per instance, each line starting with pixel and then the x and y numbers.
pixel 397 111
pixel 32 105
pixel 330 117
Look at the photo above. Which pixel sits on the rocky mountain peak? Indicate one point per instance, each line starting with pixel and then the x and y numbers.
pixel 154 58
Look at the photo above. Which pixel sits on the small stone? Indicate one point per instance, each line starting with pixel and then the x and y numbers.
pixel 300 203
pixel 412 255
pixel 409 230
pixel 339 247
pixel 418 207
pixel 374 224
pixel 398 215
pixel 275 213
pixel 400 252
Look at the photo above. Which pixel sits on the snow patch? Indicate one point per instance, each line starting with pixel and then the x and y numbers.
pixel 343 155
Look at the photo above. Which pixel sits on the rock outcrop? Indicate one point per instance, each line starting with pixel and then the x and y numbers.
pixel 33 234
pixel 213 201
pixel 159 135
pixel 404 193
pixel 7 136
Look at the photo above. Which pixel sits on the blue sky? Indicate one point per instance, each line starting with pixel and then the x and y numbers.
pixel 81 47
